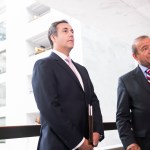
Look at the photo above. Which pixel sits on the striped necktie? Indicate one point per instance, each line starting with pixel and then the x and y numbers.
pixel 148 75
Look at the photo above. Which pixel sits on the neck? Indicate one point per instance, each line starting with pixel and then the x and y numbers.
pixel 64 51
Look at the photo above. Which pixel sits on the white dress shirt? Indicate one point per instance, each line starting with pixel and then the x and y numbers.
pixel 64 57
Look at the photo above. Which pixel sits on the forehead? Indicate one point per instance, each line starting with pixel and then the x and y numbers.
pixel 142 42
pixel 63 26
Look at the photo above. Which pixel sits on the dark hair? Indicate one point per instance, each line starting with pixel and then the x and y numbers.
pixel 53 30
pixel 134 48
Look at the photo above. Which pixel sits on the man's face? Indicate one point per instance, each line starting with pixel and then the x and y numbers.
pixel 143 52
pixel 64 39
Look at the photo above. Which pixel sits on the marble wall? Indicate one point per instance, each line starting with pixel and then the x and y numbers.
pixel 106 58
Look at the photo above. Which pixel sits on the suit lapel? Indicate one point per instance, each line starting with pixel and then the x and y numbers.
pixel 82 76
pixel 141 79
pixel 66 67
pixel 85 79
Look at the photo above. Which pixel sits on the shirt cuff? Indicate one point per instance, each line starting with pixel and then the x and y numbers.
pixel 79 144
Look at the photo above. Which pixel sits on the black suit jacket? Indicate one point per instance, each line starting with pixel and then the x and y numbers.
pixel 63 104
pixel 133 107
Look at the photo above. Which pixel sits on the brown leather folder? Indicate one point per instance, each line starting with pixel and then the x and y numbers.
pixel 90 117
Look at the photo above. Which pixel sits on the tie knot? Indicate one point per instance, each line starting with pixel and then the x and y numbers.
pixel 148 71
pixel 148 75
pixel 68 59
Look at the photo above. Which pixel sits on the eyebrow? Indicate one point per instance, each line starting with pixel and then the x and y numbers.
pixel 68 28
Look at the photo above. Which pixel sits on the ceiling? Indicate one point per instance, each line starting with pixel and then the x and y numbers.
pixel 123 19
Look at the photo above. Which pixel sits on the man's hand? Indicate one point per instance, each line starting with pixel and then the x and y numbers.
pixel 96 137
pixel 85 146
pixel 133 147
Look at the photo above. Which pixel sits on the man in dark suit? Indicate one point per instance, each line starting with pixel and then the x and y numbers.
pixel 133 105
pixel 63 95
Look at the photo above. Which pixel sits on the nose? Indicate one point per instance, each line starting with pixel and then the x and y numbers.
pixel 149 49
pixel 71 33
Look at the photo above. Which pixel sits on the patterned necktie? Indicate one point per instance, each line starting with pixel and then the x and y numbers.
pixel 148 75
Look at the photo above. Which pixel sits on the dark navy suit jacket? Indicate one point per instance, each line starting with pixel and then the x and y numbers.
pixel 63 104
pixel 133 107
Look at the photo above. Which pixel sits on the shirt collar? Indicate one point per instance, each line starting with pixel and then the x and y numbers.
pixel 143 68
pixel 61 55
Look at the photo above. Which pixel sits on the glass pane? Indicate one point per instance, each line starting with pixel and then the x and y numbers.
pixel 2 61
pixel 2 94
pixel 2 31
pixel 2 123
pixel 20 144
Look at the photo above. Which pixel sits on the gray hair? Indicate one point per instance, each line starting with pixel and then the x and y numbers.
pixel 134 48
pixel 53 30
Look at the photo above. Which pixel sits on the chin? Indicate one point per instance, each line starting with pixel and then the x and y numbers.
pixel 71 47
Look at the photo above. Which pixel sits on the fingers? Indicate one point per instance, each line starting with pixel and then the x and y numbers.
pixel 86 146
pixel 133 147
pixel 96 137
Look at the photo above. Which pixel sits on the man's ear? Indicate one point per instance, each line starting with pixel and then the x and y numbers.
pixel 52 37
pixel 135 57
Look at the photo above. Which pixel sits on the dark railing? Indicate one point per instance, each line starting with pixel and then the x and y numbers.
pixel 9 132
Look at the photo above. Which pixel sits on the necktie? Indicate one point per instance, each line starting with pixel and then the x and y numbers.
pixel 71 65
pixel 148 75
pixel 75 71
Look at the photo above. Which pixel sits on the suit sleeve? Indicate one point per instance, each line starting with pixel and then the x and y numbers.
pixel 123 117
pixel 44 86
